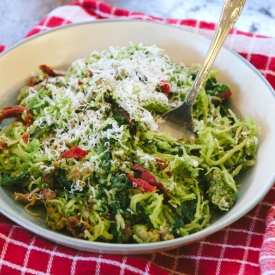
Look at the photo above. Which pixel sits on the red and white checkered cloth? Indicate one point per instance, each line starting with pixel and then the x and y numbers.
pixel 246 247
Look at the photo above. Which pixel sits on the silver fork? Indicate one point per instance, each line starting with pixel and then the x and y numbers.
pixel 178 122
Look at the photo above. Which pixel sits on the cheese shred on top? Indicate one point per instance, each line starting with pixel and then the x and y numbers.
pixel 130 76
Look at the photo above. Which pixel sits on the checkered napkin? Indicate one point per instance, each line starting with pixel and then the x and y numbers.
pixel 246 247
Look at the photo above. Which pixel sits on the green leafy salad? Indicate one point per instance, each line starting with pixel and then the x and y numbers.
pixel 85 145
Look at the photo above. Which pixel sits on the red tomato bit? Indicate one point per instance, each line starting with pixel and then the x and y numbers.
pixel 223 96
pixel 48 193
pixel 149 177
pixel 25 138
pixel 74 152
pixel 161 163
pixel 165 87
pixel 142 184
pixel 3 144
pixel 49 71
pixel 28 119
pixel 16 111
pixel 34 80
pixel 138 167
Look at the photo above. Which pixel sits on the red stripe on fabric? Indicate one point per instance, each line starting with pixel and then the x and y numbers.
pixel 234 253
pixel 121 12
pixel 43 21
pixel 6 270
pixel 48 22
pixel 253 256
pixel 54 21
pixel 88 6
pixel 217 238
pixel 209 266
pixel 172 21
pixel 268 246
pixel 189 22
pixel 272 64
pixel 207 25
pixel 241 240
pixel 65 250
pixel 271 194
pixel 182 22
pixel 228 268
pixel 154 19
pixel 245 33
pixel 61 265
pixel 102 7
pixel 271 79
pixel 96 8
pixel 33 32
pixel 41 243
pixel 15 254
pixel 2 48
pixel 261 36
pixel 110 269
pixel 4 219
pixel 85 267
pixel 137 13
pixel 211 250
pixel 249 34
pixel 259 61
pixel 41 264
pixel 165 260
pixel 162 258
pixel 91 4
pixel 244 55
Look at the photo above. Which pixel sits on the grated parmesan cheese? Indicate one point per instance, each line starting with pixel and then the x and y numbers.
pixel 77 108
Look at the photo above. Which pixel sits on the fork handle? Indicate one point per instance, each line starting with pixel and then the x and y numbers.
pixel 230 14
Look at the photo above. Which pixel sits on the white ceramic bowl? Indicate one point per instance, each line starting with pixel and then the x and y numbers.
pixel 252 96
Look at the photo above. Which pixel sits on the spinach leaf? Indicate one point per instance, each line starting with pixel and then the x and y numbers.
pixel 7 180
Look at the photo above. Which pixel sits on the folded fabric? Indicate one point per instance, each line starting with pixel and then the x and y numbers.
pixel 242 248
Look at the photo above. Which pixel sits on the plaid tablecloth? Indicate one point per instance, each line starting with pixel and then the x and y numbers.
pixel 247 247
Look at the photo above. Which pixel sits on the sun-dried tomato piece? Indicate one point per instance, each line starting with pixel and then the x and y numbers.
pixel 74 152
pixel 138 167
pixel 48 193
pixel 127 230
pixel 89 73
pixel 25 138
pixel 142 184
pixel 34 80
pixel 12 111
pixel 223 96
pixel 73 225
pixel 16 111
pixel 165 87
pixel 161 164
pixel 49 71
pixel 3 144
pixel 149 177
pixel 28 119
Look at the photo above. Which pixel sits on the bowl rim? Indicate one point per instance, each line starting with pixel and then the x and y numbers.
pixel 114 248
